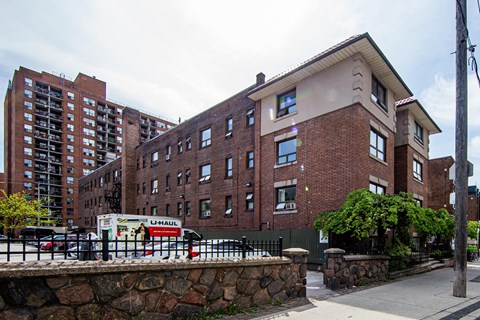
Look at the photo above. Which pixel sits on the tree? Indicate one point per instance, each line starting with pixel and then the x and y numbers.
pixel 16 211
pixel 472 229
pixel 362 214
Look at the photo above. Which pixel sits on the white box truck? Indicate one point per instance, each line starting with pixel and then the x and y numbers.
pixel 129 227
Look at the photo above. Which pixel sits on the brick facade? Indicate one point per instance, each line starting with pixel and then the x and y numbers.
pixel 332 123
pixel 440 185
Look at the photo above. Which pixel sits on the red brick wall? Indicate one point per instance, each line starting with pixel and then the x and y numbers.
pixel 404 181
pixel 440 186
pixel 332 160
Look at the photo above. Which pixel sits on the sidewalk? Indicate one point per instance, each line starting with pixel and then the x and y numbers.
pixel 425 296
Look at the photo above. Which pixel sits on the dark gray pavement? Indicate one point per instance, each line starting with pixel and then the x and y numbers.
pixel 424 296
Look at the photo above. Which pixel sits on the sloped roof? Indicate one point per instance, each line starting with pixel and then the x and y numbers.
pixel 419 112
pixel 363 44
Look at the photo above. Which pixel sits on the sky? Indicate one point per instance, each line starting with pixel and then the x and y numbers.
pixel 178 58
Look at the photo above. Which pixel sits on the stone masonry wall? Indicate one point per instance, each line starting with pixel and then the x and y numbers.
pixel 344 271
pixel 147 289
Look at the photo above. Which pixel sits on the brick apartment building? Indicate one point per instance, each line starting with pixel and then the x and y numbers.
pixel 278 152
pixel 57 130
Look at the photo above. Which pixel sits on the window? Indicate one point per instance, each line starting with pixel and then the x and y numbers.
pixel 71 96
pixel 249 201
pixel 378 189
pixel 179 209
pixel 418 132
pixel 70 148
pixel 119 139
pixel 205 206
pixel 250 117
pixel 27 139
pixel 206 138
pixel 153 211
pixel 379 93
pixel 228 205
pixel 89 122
pixel 27 163
pixel 179 178
pixel 187 208
pixel 250 161
pixel 28 82
pixel 100 201
pixel 70 159
pixel 70 201
pixel 88 132
pixel 89 112
pixel 116 175
pixel 229 128
pixel 70 180
pixel 100 182
pixel 287 151
pixel 119 111
pixel 154 186
pixel 28 93
pixel 167 183
pixel 27 151
pixel 69 190
pixel 417 170
pixel 287 103
pixel 70 169
pixel 71 127
pixel 27 116
pixel 168 152
pixel 119 130
pixel 70 117
pixel 70 106
pixel 179 147
pixel 144 161
pixel 229 167
pixel 205 173
pixel 70 138
pixel 28 185
pixel 286 198
pixel 144 188
pixel 89 142
pixel 188 177
pixel 377 145
pixel 188 143
pixel 27 174
pixel 167 209
pixel 28 105
pixel 27 128
pixel 154 157
pixel 89 101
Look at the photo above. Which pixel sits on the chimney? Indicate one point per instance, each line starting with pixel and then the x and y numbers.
pixel 260 79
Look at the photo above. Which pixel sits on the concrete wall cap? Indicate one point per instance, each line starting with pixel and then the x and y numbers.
pixel 355 257
pixel 334 250
pixel 295 251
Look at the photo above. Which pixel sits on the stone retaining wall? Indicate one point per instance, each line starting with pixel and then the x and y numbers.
pixel 344 271
pixel 146 289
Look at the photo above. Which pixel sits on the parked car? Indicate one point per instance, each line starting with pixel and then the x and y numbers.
pixel 3 237
pixel 225 248
pixel 162 250
pixel 216 248
pixel 58 242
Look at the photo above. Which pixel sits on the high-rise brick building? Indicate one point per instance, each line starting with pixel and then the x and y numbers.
pixel 57 130
pixel 278 152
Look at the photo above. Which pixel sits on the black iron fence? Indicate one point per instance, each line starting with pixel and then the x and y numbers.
pixel 76 246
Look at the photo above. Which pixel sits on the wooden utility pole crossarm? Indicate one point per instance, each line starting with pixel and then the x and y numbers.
pixel 461 135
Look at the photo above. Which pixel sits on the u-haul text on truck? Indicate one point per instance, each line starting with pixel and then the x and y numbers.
pixel 121 226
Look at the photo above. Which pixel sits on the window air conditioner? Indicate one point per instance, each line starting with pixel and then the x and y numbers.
pixel 207 213
pixel 167 157
pixel 290 206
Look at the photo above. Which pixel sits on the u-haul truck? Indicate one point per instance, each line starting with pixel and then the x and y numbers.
pixel 125 226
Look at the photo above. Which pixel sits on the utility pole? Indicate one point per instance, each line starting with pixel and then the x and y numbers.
pixel 461 134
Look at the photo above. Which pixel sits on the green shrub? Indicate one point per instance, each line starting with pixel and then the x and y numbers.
pixel 472 249
pixel 400 254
